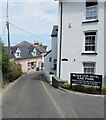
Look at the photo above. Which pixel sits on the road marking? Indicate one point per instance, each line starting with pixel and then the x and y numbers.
pixel 58 109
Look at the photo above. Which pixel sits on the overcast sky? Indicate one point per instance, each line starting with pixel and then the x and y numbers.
pixel 35 17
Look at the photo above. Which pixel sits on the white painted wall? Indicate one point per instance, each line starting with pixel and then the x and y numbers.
pixel 105 43
pixel 73 39
pixel 54 52
pixel 47 64
pixel 58 39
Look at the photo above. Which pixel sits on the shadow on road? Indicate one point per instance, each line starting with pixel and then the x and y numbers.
pixel 43 78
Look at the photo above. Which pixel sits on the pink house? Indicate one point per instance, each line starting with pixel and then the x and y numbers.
pixel 28 55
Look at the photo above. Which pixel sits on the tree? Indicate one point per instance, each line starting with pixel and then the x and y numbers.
pixel 5 65
pixel 10 70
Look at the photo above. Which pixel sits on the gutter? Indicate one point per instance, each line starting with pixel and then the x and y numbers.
pixel 61 5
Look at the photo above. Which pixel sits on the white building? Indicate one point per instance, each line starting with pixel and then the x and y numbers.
pixel 50 59
pixel 81 38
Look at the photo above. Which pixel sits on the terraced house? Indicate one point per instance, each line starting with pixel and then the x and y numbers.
pixel 81 38
pixel 30 56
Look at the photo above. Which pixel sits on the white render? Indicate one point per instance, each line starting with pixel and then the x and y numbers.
pixel 105 45
pixel 49 66
pixel 73 39
pixel 54 53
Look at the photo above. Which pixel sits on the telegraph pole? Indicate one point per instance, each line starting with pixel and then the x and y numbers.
pixel 8 32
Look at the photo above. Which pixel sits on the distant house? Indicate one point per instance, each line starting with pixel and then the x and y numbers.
pixel 28 55
pixel 81 38
pixel 50 58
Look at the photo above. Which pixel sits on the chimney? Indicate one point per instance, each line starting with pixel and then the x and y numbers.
pixel 36 43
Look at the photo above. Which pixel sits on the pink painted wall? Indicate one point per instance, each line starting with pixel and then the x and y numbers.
pixel 25 61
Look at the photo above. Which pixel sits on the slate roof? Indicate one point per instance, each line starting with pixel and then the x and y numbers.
pixel 25 51
pixel 40 48
pixel 24 43
pixel 54 31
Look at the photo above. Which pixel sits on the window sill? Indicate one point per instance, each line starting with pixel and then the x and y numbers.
pixel 90 53
pixel 90 21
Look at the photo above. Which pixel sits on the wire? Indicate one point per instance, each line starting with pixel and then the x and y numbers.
pixel 27 31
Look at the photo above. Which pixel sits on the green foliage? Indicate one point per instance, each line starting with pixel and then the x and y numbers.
pixel 79 88
pixel 90 89
pixel 5 66
pixel 11 71
pixel 15 71
pixel 66 85
pixel 104 89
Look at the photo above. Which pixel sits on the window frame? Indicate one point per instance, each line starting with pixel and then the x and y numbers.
pixel 84 44
pixel 18 54
pixel 89 67
pixel 91 6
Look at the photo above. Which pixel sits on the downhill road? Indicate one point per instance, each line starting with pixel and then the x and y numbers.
pixel 32 97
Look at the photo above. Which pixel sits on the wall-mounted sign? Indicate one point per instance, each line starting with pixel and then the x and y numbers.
pixel 86 79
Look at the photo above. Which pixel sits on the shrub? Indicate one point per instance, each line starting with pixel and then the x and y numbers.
pixel 66 85
pixel 5 66
pixel 91 89
pixel 104 89
pixel 15 71
pixel 79 88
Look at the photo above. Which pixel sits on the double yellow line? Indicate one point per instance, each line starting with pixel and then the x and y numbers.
pixel 58 109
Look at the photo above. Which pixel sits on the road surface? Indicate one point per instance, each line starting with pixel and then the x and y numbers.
pixel 32 97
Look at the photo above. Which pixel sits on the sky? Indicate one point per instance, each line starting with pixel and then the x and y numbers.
pixel 35 17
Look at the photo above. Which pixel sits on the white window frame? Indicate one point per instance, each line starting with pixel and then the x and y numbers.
pixel 34 52
pixel 29 67
pixel 17 53
pixel 84 45
pixel 91 12
pixel 89 67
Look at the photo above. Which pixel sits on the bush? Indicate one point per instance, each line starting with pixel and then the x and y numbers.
pixel 15 71
pixel 79 88
pixel 5 66
pixel 90 89
pixel 66 85
pixel 104 89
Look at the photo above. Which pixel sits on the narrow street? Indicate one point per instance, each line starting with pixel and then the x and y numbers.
pixel 32 97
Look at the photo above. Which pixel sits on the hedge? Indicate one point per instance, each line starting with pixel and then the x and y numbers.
pixel 79 88
pixel 15 71
pixel 104 89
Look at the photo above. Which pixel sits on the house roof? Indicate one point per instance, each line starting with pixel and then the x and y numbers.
pixel 54 31
pixel 24 43
pixel 26 49
pixel 41 49
pixel 25 53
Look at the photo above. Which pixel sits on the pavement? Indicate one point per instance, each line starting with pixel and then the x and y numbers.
pixel 31 96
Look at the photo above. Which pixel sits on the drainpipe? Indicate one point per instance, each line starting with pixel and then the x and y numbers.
pixel 61 8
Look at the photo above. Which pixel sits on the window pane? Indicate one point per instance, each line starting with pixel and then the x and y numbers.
pixel 90 41
pixel 91 12
pixel 89 68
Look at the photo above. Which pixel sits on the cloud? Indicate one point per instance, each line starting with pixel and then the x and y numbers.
pixel 35 17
